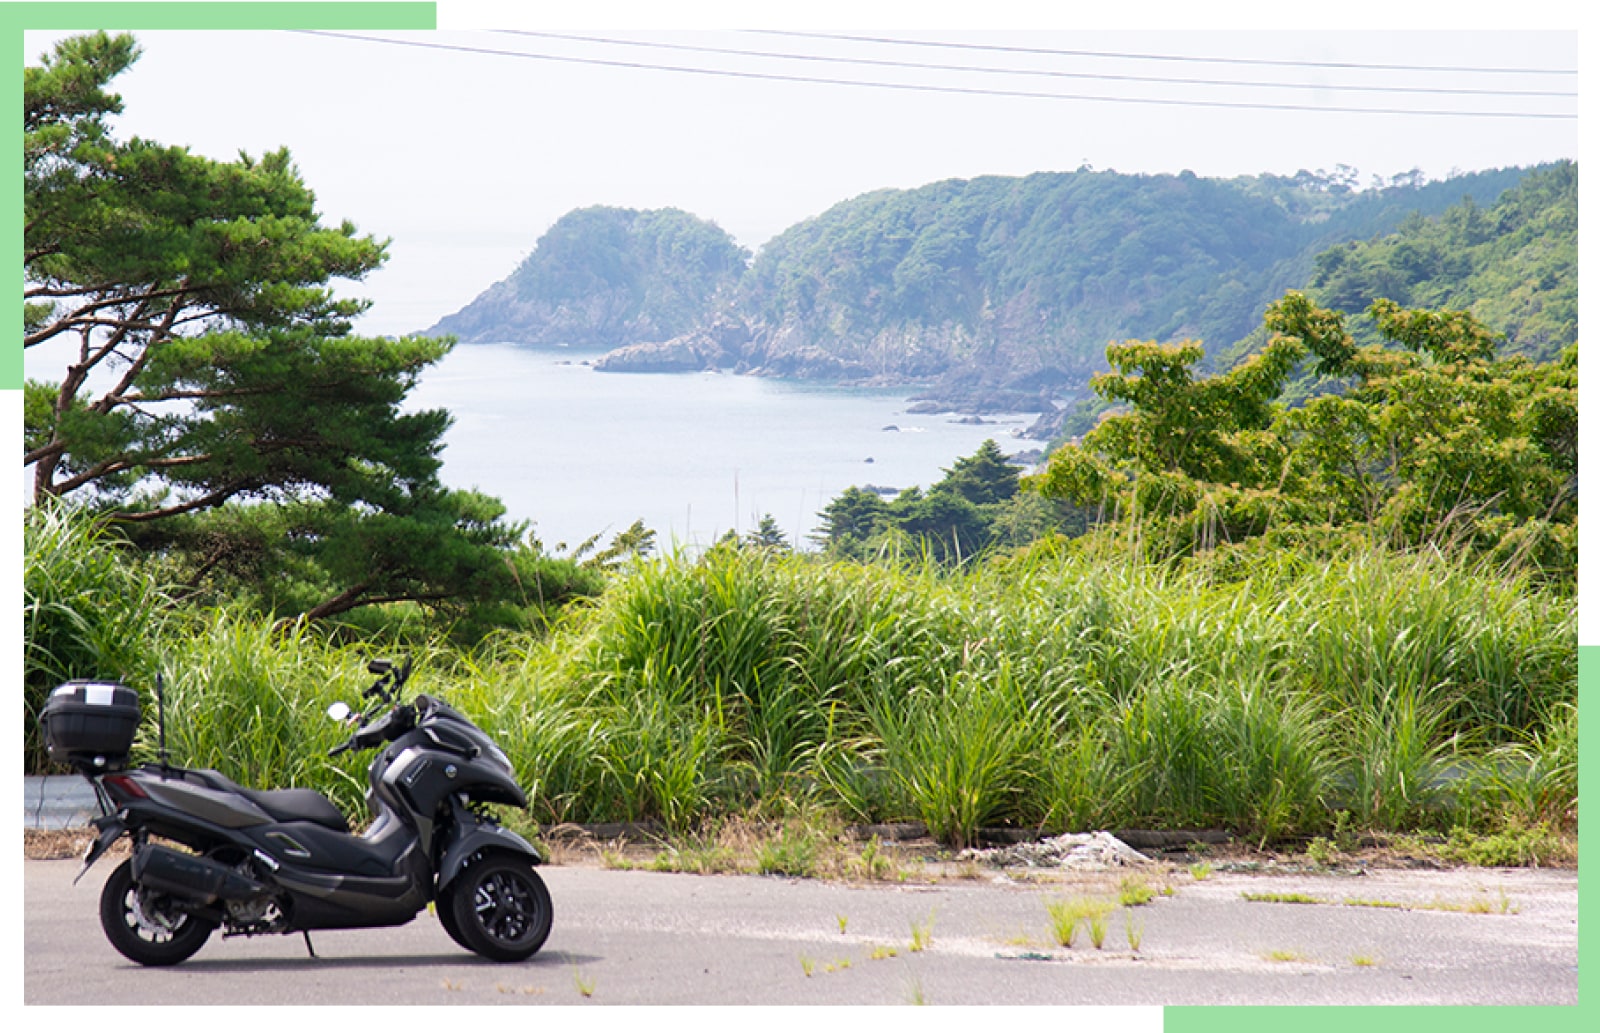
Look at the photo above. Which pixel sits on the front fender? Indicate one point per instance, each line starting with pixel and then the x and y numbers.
pixel 468 836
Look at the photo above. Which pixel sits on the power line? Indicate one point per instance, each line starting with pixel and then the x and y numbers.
pixel 920 87
pixel 1053 73
pixel 1166 57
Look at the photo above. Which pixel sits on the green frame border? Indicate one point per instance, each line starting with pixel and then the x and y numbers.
pixel 16 17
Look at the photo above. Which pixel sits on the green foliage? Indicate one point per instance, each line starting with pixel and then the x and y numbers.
pixel 198 291
pixel 1065 688
pixel 974 509
pixel 963 755
pixel 214 366
pixel 1437 442
pixel 1000 276
pixel 1508 848
pixel 767 535
pixel 1513 264
pixel 455 558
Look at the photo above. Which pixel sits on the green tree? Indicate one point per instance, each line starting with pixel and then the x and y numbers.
pixel 977 506
pixel 210 361
pixel 850 520
pixel 1513 265
pixel 1433 439
pixel 983 478
pixel 953 528
pixel 767 535
pixel 208 349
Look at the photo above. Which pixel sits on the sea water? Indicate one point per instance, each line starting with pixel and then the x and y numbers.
pixel 694 455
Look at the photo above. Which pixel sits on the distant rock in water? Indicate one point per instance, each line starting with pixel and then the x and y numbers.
pixel 723 344
pixel 606 276
pixel 811 363
pixel 674 356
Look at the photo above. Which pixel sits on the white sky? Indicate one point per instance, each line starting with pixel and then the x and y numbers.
pixel 465 159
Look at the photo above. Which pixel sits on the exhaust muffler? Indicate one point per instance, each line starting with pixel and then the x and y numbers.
pixel 190 878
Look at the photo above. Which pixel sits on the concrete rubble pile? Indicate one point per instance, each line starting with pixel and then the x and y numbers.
pixel 1083 851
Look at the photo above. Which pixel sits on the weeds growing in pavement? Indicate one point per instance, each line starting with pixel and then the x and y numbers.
pixel 1282 898
pixel 1067 914
pixel 1134 891
pixel 1133 927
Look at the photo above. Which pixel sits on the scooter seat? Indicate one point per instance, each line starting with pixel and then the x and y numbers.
pixel 283 804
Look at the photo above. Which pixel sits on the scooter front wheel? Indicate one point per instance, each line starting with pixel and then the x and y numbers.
pixel 144 926
pixel 500 908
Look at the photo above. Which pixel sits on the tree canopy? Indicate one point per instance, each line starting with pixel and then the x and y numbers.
pixel 209 363
pixel 976 507
pixel 1512 263
pixel 1431 438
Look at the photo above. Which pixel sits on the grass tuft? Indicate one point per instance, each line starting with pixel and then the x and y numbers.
pixel 1068 914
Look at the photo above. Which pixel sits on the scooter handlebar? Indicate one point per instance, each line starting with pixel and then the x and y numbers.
pixel 391 726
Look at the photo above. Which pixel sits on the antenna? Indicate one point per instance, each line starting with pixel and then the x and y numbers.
pixel 161 721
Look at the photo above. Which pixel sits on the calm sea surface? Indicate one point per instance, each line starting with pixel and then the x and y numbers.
pixel 692 454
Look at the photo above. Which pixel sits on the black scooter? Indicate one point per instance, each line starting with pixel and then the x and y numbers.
pixel 285 861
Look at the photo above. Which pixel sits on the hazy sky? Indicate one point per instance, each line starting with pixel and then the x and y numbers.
pixel 465 157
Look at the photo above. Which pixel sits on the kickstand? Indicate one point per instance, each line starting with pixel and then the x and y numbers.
pixel 309 949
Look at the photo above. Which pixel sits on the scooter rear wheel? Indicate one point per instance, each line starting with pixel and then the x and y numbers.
pixel 500 908
pixel 144 926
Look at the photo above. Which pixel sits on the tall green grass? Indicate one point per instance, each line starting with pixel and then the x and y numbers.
pixel 88 611
pixel 249 699
pixel 1056 689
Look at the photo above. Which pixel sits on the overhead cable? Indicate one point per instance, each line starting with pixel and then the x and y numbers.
pixel 921 87
pixel 999 48
pixel 1052 73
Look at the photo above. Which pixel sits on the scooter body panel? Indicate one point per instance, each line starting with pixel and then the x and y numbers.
pixel 228 810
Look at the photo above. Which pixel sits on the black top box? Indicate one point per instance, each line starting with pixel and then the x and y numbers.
pixel 90 723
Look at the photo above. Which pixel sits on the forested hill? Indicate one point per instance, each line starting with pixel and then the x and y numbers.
pixel 1512 263
pixel 995 280
pixel 997 289
pixel 604 277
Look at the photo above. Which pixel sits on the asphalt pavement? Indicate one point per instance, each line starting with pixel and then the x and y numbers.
pixel 1473 936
